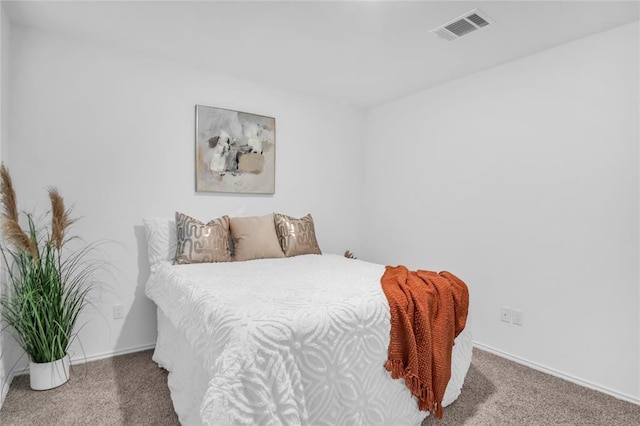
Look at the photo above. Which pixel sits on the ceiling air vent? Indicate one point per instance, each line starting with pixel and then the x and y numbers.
pixel 462 25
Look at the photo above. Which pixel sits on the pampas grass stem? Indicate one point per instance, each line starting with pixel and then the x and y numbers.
pixel 47 284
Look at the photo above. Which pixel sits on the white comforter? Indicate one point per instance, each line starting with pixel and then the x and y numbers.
pixel 291 341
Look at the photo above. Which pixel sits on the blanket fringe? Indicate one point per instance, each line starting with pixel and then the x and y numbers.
pixel 396 368
pixel 425 396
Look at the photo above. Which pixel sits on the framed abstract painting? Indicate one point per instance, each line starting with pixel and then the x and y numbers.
pixel 235 151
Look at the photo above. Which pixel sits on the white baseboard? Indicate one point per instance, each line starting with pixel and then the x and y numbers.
pixel 482 346
pixel 75 360
pixel 4 390
pixel 556 373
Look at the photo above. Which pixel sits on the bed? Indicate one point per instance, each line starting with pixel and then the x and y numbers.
pixel 291 341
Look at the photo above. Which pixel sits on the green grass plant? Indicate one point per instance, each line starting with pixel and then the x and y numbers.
pixel 46 283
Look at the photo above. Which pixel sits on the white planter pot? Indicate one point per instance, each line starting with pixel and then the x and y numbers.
pixel 49 375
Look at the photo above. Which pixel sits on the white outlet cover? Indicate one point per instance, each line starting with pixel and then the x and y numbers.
pixel 505 314
pixel 518 317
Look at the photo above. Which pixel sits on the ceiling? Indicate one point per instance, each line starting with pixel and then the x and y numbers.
pixel 361 53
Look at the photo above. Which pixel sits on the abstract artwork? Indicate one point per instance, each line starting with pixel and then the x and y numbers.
pixel 235 151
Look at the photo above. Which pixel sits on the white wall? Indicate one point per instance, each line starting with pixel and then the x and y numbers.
pixel 115 133
pixel 9 350
pixel 5 38
pixel 638 115
pixel 523 180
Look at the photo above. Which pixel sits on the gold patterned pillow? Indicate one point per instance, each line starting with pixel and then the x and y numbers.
pixel 199 242
pixel 296 236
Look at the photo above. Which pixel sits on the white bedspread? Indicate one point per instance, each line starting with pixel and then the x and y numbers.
pixel 290 341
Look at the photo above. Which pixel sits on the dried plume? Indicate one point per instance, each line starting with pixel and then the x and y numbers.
pixel 349 255
pixel 9 205
pixel 60 218
pixel 15 235
pixel 10 221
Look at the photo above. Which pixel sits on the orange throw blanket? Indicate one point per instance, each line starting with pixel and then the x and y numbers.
pixel 428 310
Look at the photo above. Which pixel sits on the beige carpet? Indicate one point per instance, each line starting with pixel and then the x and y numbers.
pixel 500 392
pixel 124 390
pixel 132 390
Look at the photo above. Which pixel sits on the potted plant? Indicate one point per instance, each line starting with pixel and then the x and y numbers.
pixel 45 285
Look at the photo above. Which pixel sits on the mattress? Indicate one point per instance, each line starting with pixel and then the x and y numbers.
pixel 295 341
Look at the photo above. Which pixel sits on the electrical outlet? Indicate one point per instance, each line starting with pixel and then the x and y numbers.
pixel 118 311
pixel 505 314
pixel 518 317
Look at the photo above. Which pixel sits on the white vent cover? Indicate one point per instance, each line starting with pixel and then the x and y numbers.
pixel 462 25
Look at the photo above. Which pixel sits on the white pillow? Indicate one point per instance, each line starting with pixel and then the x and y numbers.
pixel 161 239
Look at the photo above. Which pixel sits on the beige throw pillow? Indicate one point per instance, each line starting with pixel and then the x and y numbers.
pixel 296 236
pixel 255 238
pixel 198 242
